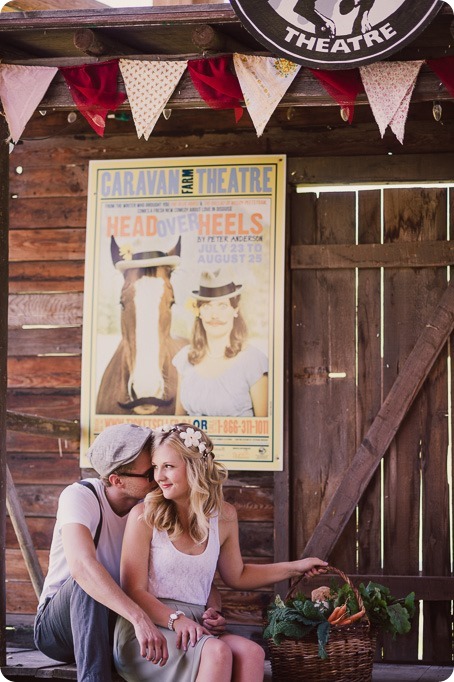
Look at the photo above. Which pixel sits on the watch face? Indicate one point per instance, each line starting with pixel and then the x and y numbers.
pixel 335 34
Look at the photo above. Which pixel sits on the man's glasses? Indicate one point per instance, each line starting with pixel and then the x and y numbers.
pixel 148 475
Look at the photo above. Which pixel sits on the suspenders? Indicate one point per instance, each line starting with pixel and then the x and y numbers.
pixel 89 485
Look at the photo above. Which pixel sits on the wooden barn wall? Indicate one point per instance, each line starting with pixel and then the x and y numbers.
pixel 48 187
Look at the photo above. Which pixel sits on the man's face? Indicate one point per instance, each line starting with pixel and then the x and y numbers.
pixel 138 486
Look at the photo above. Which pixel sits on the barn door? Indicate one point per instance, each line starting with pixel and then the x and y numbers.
pixel 355 320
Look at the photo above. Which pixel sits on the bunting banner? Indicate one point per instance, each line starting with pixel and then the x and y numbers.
pixel 94 89
pixel 444 68
pixel 264 81
pixel 21 90
pixel 216 83
pixel 149 85
pixel 389 87
pixel 343 86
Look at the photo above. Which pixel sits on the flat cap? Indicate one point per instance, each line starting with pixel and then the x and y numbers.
pixel 117 445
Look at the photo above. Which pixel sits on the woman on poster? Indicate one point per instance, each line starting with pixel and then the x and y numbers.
pixel 174 542
pixel 219 372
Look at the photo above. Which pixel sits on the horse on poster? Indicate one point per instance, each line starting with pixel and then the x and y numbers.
pixel 140 377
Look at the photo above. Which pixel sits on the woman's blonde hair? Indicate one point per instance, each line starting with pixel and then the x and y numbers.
pixel 205 478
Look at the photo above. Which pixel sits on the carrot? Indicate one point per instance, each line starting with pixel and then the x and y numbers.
pixel 338 613
pixel 351 619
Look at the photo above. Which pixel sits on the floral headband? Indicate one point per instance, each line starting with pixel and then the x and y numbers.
pixel 191 437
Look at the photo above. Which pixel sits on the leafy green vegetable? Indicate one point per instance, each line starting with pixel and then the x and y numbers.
pixel 298 616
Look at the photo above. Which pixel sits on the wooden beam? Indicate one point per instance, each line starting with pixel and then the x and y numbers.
pixel 209 39
pixel 45 5
pixel 392 255
pixel 42 426
pixel 426 587
pixel 305 91
pixel 384 428
pixel 23 535
pixel 94 44
pixel 4 204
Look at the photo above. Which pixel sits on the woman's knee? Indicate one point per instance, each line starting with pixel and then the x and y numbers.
pixel 217 651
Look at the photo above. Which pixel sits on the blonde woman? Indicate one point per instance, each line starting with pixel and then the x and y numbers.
pixel 173 544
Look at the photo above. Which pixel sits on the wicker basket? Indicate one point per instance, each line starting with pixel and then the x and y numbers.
pixel 350 650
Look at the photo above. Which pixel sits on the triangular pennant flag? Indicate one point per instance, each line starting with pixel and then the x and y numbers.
pixel 444 68
pixel 149 86
pixel 343 86
pixel 264 81
pixel 216 83
pixel 389 87
pixel 21 90
pixel 94 89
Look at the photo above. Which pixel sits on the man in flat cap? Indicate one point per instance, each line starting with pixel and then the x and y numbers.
pixel 81 594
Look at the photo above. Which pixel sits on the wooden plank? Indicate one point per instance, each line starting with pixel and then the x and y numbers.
pixel 46 277
pixel 4 202
pixel 42 426
pixel 16 568
pixel 376 169
pixel 45 309
pixel 42 245
pixel 28 443
pixel 65 403
pixel 39 500
pixel 38 467
pixel 252 505
pixel 47 371
pixel 16 514
pixel 384 427
pixel 70 181
pixel 368 394
pixel 321 301
pixel 409 296
pixel 41 529
pixel 391 255
pixel 38 212
pixel 54 341
pixel 305 90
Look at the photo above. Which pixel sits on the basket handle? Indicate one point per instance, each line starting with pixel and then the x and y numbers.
pixel 341 574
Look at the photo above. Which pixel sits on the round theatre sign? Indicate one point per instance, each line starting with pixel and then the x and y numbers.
pixel 335 34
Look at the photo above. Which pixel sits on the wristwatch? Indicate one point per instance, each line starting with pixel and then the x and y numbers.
pixel 173 617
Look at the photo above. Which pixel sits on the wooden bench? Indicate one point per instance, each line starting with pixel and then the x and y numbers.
pixel 28 665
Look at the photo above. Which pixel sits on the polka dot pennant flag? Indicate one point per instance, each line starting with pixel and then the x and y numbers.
pixel 389 87
pixel 149 85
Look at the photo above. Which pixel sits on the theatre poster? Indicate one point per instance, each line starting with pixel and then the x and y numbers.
pixel 184 257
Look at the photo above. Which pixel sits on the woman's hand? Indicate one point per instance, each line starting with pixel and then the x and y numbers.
pixel 214 621
pixel 188 632
pixel 308 567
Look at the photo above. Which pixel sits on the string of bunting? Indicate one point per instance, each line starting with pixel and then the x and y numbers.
pixel 223 82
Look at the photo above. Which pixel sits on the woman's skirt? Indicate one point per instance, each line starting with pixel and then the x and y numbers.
pixel 182 666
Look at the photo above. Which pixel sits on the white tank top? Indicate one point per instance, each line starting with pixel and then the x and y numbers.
pixel 183 577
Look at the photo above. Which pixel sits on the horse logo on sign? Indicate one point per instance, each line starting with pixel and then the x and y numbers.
pixel 335 34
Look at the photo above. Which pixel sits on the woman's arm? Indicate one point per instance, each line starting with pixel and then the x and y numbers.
pixel 240 576
pixel 179 409
pixel 259 396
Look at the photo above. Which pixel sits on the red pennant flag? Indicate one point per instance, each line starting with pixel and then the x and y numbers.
pixel 444 68
pixel 344 86
pixel 94 89
pixel 216 83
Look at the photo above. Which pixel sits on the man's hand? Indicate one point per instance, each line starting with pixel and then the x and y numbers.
pixel 214 621
pixel 153 644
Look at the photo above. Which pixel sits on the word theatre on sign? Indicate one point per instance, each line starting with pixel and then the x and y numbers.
pixel 335 34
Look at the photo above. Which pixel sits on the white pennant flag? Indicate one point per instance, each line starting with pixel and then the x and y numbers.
pixel 264 81
pixel 21 90
pixel 149 86
pixel 389 87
